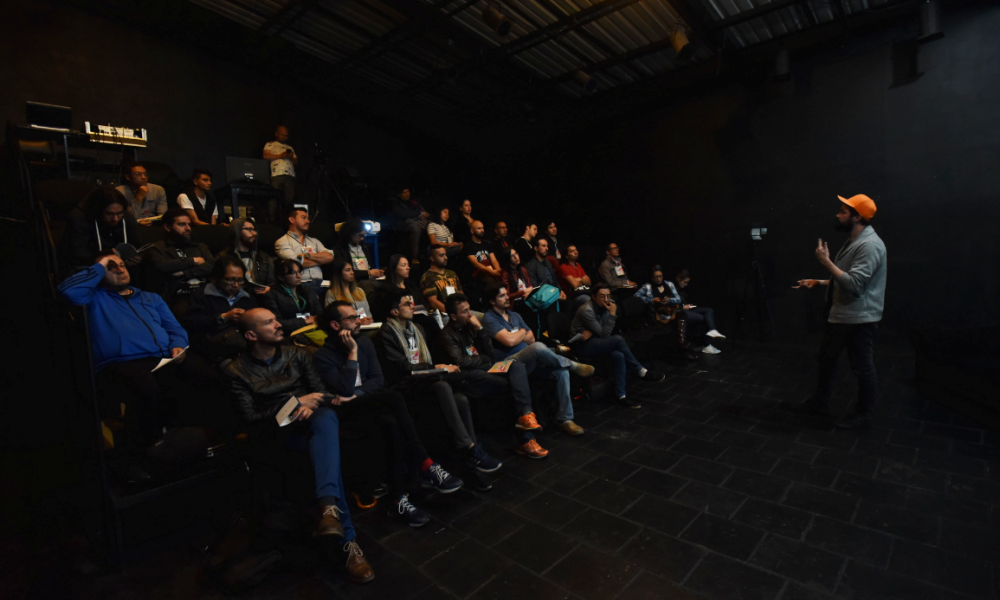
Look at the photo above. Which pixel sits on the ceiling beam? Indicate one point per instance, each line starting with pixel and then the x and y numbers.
pixel 286 17
pixel 753 13
pixel 694 16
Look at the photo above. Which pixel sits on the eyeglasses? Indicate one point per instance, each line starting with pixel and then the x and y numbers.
pixel 351 318
pixel 232 281
pixel 407 303
pixel 249 229
pixel 114 214
pixel 613 248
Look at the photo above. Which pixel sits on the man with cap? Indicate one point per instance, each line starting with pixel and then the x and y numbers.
pixel 855 295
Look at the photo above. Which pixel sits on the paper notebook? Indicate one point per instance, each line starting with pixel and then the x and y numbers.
pixel 166 361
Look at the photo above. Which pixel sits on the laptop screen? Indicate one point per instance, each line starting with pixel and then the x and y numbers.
pixel 49 115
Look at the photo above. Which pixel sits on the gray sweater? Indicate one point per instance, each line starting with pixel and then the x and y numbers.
pixel 857 296
pixel 596 320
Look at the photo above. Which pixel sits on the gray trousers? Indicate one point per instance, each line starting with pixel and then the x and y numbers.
pixel 457 414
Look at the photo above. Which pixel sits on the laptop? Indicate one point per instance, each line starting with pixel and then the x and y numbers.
pixel 49 116
pixel 241 170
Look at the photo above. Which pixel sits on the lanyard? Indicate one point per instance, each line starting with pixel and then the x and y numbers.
pixel 100 246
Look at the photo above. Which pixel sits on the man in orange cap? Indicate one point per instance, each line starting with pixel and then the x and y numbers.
pixel 855 295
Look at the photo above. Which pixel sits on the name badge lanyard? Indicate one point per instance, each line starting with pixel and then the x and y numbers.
pixel 97 230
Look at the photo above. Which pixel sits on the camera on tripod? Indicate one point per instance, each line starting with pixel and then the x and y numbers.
pixel 757 232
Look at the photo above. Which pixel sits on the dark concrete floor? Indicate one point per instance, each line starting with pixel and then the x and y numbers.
pixel 715 489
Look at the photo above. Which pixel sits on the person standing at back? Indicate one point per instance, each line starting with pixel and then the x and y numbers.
pixel 283 161
pixel 855 296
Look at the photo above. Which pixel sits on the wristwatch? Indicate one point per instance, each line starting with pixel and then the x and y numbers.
pixel 220 321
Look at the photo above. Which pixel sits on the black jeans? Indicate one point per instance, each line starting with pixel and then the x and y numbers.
pixel 389 412
pixel 858 339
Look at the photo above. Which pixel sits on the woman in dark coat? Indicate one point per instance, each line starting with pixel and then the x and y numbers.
pixel 294 304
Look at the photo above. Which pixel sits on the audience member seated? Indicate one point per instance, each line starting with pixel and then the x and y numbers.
pixel 540 270
pixel 464 343
pixel 398 278
pixel 130 331
pixel 514 277
pixel 500 237
pixel 215 309
pixel 525 245
pixel 349 366
pixel 295 305
pixel 345 289
pixel 199 201
pixel 612 270
pixel 555 255
pixel 259 264
pixel 438 283
pixel 574 280
pixel 307 251
pixel 262 381
pixel 101 223
pixel 440 236
pixel 411 218
pixel 181 265
pixel 145 199
pixel 352 248
pixel 406 351
pixel 462 223
pixel 485 268
pixel 512 339
pixel 700 318
pixel 595 321
pixel 661 296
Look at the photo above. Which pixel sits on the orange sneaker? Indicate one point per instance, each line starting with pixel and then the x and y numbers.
pixel 528 422
pixel 532 450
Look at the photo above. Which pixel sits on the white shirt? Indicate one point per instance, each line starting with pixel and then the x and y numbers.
pixel 184 202
pixel 440 232
pixel 288 246
pixel 280 166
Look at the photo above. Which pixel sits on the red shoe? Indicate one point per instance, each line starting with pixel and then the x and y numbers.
pixel 532 450
pixel 528 422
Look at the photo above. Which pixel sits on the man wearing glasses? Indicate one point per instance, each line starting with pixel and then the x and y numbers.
pixel 145 200
pixel 613 271
pixel 259 264
pixel 217 307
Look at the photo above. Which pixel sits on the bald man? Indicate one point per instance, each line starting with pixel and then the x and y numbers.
pixel 485 267
pixel 262 382
pixel 283 160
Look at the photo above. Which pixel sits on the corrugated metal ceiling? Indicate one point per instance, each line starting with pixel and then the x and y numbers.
pixel 441 52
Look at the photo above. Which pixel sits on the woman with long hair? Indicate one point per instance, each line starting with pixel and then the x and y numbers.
pixel 294 304
pixel 514 276
pixel 398 277
pixel 344 287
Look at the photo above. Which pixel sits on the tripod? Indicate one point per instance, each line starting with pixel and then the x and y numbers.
pixel 756 280
pixel 320 165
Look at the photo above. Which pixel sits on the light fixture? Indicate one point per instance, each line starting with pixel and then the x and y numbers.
pixel 496 20
pixel 588 83
pixel 782 66
pixel 930 27
pixel 682 45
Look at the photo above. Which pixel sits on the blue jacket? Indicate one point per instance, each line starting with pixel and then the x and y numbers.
pixel 123 327
pixel 340 375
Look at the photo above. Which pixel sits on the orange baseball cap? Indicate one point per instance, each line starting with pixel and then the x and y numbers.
pixel 861 203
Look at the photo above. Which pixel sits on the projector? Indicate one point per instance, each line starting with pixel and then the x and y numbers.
pixel 372 227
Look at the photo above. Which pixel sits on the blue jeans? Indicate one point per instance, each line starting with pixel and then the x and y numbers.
pixel 550 365
pixel 324 451
pixel 621 357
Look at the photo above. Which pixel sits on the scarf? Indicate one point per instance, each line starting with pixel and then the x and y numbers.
pixel 397 328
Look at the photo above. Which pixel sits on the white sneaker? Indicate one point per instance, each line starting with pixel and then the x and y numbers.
pixel 715 333
pixel 710 349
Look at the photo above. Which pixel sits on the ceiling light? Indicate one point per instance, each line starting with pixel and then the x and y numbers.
pixel 588 83
pixel 496 20
pixel 682 45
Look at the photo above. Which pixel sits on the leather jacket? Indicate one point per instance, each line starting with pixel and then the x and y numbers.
pixel 452 343
pixel 259 390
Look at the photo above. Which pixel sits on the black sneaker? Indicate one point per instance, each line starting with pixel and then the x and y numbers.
pixel 476 458
pixel 478 481
pixel 853 421
pixel 439 479
pixel 628 403
pixel 653 377
pixel 411 515
pixel 136 473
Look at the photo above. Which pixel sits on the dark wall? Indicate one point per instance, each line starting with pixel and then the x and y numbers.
pixel 198 108
pixel 682 185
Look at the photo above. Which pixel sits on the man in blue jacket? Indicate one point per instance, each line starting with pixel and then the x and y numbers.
pixel 131 331
pixel 855 295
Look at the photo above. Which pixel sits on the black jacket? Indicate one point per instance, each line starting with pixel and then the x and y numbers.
pixel 340 374
pixel 207 305
pixel 452 344
pixel 283 306
pixel 81 241
pixel 397 360
pixel 403 211
pixel 259 390
pixel 205 213
pixel 343 253
pixel 167 258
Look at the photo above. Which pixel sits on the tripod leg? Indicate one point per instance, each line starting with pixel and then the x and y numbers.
pixel 743 305
pixel 766 312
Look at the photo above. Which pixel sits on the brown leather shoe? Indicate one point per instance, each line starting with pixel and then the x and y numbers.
pixel 358 569
pixel 582 370
pixel 571 428
pixel 329 522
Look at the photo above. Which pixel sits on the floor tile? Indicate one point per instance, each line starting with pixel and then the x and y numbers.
pixel 805 473
pixel 757 484
pixel 699 448
pixel 905 474
pixel 650 587
pixel 799 561
pixel 723 578
pixel 821 501
pixel 933 565
pixel 709 498
pixel 606 467
pixel 864 582
pixel 863 544
pixel 654 458
pixel 463 568
pixel 897 521
pixel 517 582
pixel 601 530
pixel 872 490
pixel 655 482
pixel 550 509
pixel 591 574
pixel 564 480
pixel 789 522
pixel 748 459
pixel 660 514
pixel 419 544
pixel 664 555
pixel 536 548
pixel 607 496
pixel 723 536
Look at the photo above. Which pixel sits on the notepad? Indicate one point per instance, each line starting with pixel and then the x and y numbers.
pixel 501 366
pixel 375 325
pixel 166 361
pixel 284 416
